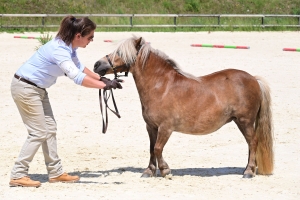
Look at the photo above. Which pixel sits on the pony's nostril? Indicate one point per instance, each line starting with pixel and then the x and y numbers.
pixel 96 65
pixel 102 72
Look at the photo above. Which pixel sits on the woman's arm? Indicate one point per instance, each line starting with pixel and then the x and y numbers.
pixel 91 74
pixel 92 83
pixel 92 80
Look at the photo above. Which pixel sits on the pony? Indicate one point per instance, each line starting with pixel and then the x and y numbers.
pixel 173 100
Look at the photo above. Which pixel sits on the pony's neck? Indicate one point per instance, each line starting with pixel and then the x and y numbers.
pixel 152 74
pixel 153 66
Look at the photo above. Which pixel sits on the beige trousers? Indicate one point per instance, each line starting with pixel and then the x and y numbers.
pixel 36 112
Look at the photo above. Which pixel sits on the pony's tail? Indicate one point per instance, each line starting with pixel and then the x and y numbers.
pixel 264 131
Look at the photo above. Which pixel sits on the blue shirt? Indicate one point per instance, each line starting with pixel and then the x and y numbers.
pixel 43 67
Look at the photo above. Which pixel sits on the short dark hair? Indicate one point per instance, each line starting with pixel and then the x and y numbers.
pixel 70 26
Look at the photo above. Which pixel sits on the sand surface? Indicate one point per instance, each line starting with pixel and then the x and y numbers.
pixel 110 165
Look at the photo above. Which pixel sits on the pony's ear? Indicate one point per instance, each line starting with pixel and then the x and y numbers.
pixel 138 42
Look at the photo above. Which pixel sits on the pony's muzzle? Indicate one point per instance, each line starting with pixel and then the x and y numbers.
pixel 101 67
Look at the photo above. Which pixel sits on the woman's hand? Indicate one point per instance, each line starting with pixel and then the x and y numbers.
pixel 111 84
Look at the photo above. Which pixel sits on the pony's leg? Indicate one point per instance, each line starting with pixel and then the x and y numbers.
pixel 163 136
pixel 251 139
pixel 151 169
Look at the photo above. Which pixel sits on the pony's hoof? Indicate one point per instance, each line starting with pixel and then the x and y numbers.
pixel 165 172
pixel 148 173
pixel 248 176
pixel 145 175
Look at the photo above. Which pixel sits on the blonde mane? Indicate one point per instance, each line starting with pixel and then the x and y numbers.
pixel 127 52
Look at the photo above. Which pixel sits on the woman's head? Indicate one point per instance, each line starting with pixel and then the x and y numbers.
pixel 70 27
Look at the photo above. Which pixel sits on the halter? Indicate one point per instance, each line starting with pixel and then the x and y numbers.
pixel 114 68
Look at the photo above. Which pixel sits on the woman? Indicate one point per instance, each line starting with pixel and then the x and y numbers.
pixel 56 58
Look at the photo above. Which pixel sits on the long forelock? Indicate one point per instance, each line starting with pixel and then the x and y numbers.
pixel 126 50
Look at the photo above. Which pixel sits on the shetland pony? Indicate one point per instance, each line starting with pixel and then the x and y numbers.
pixel 173 100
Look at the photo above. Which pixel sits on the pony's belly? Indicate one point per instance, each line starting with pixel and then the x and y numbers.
pixel 201 128
pixel 197 132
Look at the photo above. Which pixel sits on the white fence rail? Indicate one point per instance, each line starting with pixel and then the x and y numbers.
pixel 176 17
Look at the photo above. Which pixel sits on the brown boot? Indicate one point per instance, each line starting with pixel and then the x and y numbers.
pixel 64 178
pixel 24 182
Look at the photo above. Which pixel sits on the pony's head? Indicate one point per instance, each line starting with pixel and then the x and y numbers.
pixel 121 58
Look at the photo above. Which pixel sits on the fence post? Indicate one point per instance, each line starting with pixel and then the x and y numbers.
pixel 175 21
pixel 131 21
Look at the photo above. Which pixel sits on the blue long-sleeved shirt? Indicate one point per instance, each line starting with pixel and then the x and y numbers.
pixel 43 67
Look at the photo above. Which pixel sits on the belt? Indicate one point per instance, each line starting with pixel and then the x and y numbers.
pixel 26 81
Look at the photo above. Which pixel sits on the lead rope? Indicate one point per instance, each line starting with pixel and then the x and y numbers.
pixel 105 99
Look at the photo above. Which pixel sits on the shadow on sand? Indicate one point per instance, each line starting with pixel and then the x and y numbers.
pixel 203 172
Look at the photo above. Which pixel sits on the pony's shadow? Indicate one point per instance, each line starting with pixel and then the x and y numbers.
pixel 202 172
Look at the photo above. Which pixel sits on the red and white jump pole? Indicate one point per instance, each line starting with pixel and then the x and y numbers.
pixel 220 46
pixel 26 37
pixel 291 49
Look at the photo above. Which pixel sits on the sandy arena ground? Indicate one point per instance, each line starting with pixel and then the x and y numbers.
pixel 203 167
